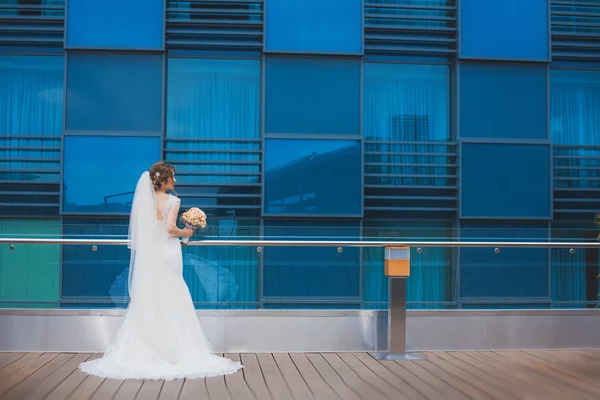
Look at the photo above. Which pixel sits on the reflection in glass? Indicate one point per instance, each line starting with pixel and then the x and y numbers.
pixel 100 172
pixel 514 274
pixel 320 277
pixel 95 279
pixel 312 177
pixel 107 92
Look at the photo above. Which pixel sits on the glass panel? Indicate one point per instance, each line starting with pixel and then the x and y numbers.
pixel 115 24
pixel 92 279
pixel 307 277
pixel 575 99
pixel 510 275
pixel 307 28
pixel 312 96
pixel 431 270
pixel 503 101
pixel 312 177
pixel 29 274
pixel 216 99
pixel 492 187
pixel 114 92
pixel 315 277
pixel 100 172
pixel 504 29
pixel 406 102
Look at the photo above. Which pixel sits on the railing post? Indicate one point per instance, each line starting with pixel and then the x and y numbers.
pixel 397 269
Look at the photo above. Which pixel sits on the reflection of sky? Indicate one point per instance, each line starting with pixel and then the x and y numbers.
pixel 102 166
pixel 283 151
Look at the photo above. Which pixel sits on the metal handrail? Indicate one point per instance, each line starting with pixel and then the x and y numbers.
pixel 318 243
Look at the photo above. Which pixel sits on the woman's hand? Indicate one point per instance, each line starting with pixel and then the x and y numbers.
pixel 187 232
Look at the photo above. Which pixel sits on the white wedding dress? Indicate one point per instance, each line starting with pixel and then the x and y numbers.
pixel 161 337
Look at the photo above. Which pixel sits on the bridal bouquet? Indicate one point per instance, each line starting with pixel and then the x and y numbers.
pixel 193 218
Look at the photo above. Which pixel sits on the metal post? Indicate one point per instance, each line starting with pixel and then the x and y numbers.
pixel 397 269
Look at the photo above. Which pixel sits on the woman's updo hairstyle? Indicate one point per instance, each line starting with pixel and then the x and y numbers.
pixel 160 173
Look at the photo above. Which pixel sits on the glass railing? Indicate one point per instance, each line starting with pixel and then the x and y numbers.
pixel 242 265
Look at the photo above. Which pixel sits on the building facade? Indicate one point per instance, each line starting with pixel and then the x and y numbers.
pixel 373 119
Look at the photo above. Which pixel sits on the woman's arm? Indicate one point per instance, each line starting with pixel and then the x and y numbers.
pixel 171 223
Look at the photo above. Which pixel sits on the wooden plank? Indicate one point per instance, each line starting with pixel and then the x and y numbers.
pixel 273 377
pixel 194 389
pixel 22 373
pixel 490 383
pixel 236 383
pixel 316 382
pixel 9 358
pixel 533 370
pixel 365 373
pixel 394 380
pixel 108 389
pixel 57 377
pixel 331 377
pixel 592 354
pixel 541 366
pixel 171 389
pixel 295 382
pixel 254 377
pixel 583 367
pixel 72 382
pixel 360 386
pixel 128 390
pixel 528 386
pixel 18 364
pixel 217 389
pixel 468 375
pixel 150 390
pixel 33 380
pixel 450 379
pixel 427 383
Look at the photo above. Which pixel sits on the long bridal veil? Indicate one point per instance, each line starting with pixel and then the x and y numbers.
pixel 143 236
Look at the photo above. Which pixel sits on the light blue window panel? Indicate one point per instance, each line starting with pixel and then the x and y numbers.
pixel 115 24
pixel 503 101
pixel 314 26
pixel 114 92
pixel 100 172
pixel 504 29
pixel 312 177
pixel 312 96
pixel 94 279
pixel 506 181
pixel 305 277
pixel 513 272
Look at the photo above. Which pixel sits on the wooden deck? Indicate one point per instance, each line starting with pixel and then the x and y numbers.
pixel 443 375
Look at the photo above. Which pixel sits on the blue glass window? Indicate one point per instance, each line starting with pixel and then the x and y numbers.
pixel 108 92
pixel 115 24
pixel 223 276
pixel 307 276
pixel 504 29
pixel 513 272
pixel 430 283
pixel 31 108
pixel 494 187
pixel 100 172
pixel 312 96
pixel 314 26
pixel 312 177
pixel 95 278
pixel 575 101
pixel 406 102
pixel 503 101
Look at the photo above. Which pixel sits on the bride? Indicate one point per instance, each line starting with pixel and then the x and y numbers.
pixel 161 337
